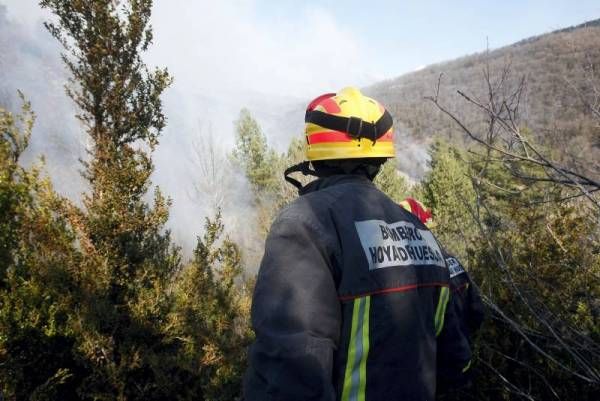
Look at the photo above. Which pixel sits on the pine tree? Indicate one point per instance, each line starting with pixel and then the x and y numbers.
pixel 448 191
pixel 14 180
pixel 262 167
pixel 38 264
pixel 391 182
pixel 253 155
pixel 211 315
pixel 129 258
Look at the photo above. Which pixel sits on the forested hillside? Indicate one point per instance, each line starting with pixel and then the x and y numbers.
pixel 557 68
pixel 97 301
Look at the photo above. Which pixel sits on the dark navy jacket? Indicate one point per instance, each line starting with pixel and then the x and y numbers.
pixel 465 297
pixel 351 302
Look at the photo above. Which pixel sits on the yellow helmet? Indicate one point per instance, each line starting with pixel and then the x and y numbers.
pixel 348 125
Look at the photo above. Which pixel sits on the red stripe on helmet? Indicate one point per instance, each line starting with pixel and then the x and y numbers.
pixel 387 137
pixel 337 136
pixel 330 105
pixel 328 136
pixel 317 101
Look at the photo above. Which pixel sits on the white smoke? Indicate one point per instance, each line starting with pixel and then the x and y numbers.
pixel 224 56
pixel 30 62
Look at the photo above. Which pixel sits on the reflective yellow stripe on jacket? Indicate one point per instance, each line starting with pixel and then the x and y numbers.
pixel 440 311
pixel 355 377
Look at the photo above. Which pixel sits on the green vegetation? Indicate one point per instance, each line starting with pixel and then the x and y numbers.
pixel 96 302
pixel 528 230
pixel 253 156
pixel 40 264
pixel 537 262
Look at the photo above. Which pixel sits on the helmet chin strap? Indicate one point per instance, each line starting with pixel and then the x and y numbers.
pixel 304 168
pixel 365 167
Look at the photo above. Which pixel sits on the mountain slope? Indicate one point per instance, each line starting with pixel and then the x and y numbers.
pixel 553 65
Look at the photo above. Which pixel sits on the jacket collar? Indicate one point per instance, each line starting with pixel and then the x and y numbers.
pixel 330 181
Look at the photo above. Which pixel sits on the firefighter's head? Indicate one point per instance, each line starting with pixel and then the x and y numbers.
pixel 346 132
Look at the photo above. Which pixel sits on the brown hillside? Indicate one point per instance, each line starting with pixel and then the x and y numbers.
pixel 553 64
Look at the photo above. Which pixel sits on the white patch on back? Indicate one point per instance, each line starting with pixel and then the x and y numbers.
pixel 397 244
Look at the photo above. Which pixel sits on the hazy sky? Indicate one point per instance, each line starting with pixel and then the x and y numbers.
pixel 405 35
pixel 271 56
pixel 301 47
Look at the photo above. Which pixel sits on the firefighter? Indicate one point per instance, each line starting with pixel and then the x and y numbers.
pixel 351 299
pixel 463 293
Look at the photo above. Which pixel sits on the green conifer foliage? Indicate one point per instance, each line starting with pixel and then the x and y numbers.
pixel 211 315
pixel 129 259
pixel 391 182
pixel 448 191
pixel 534 257
pixel 543 249
pixel 253 155
pixel 38 288
pixel 13 180
pixel 263 168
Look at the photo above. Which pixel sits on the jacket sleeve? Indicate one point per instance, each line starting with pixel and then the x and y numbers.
pixel 453 354
pixel 296 317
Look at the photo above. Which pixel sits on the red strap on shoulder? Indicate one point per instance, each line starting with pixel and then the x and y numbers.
pixel 418 210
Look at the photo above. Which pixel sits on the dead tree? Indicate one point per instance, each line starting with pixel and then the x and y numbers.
pixel 504 138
